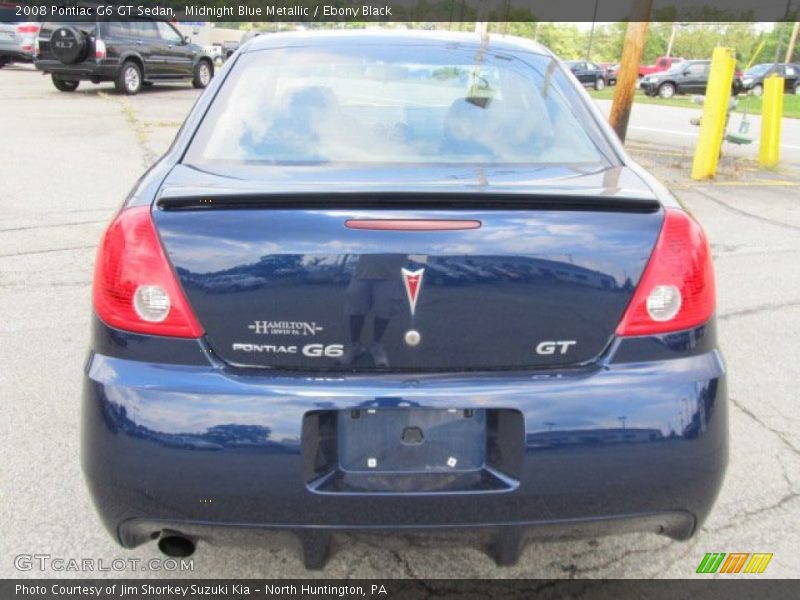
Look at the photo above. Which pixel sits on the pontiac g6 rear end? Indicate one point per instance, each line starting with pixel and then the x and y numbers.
pixel 394 282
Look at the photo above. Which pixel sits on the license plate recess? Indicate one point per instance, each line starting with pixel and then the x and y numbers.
pixel 412 450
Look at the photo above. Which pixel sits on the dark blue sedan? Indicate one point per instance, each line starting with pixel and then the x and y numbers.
pixel 401 281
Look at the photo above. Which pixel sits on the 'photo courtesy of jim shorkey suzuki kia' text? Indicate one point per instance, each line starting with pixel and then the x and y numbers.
pixel 269 10
pixel 194 589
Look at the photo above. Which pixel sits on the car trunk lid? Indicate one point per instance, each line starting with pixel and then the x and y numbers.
pixel 444 280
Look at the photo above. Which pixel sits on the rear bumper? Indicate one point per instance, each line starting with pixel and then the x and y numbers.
pixel 627 446
pixel 82 71
pixel 15 54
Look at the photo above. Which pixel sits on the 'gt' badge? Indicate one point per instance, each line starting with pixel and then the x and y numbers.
pixel 413 282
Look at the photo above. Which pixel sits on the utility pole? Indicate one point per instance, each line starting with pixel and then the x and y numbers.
pixel 632 51
pixel 671 39
pixel 792 42
pixel 780 33
pixel 672 35
pixel 591 33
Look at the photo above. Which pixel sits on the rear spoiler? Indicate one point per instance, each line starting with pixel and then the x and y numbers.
pixel 406 200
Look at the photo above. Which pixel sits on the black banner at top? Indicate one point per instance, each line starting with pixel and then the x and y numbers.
pixel 360 11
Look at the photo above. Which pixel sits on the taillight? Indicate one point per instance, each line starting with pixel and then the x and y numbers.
pixel 99 49
pixel 27 28
pixel 677 289
pixel 135 288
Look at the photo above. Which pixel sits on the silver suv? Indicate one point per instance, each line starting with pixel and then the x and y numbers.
pixel 17 42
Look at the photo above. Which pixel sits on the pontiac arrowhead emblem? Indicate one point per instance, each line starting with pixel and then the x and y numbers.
pixel 413 282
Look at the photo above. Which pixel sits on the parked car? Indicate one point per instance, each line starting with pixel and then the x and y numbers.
pixel 611 71
pixel 214 52
pixel 662 63
pixel 588 73
pixel 349 385
pixel 687 77
pixel 132 54
pixel 17 42
pixel 228 48
pixel 753 79
pixel 249 35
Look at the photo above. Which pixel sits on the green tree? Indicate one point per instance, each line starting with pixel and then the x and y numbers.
pixel 566 41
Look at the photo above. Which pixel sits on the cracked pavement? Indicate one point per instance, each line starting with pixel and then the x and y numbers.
pixel 72 159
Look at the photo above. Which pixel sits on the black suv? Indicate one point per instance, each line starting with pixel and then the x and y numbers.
pixel 588 73
pixel 686 77
pixel 754 77
pixel 129 53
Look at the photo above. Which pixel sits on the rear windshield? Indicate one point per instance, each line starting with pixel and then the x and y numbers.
pixel 397 105
pixel 759 70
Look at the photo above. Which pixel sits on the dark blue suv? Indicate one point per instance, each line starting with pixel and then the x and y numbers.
pixel 399 281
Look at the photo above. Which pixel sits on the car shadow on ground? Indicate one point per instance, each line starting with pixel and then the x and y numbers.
pixel 18 67
pixel 95 89
pixel 88 88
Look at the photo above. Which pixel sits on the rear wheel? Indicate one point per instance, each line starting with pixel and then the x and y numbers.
pixel 202 74
pixel 64 85
pixel 599 84
pixel 797 89
pixel 666 90
pixel 129 79
pixel 758 89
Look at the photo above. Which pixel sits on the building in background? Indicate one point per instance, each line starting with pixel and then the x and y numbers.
pixel 206 34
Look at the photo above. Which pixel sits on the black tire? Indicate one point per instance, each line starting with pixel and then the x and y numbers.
pixel 757 89
pixel 129 79
pixel 68 44
pixel 65 85
pixel 203 72
pixel 666 90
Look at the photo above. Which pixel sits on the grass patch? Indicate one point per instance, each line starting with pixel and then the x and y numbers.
pixel 791 102
pixel 791 105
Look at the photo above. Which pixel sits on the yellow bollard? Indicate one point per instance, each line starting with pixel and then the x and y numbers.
pixel 771 114
pixel 715 114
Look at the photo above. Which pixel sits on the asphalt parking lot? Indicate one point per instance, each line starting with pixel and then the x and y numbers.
pixel 68 162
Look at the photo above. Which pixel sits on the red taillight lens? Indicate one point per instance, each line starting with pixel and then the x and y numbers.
pixel 27 28
pixel 134 286
pixel 99 49
pixel 677 289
